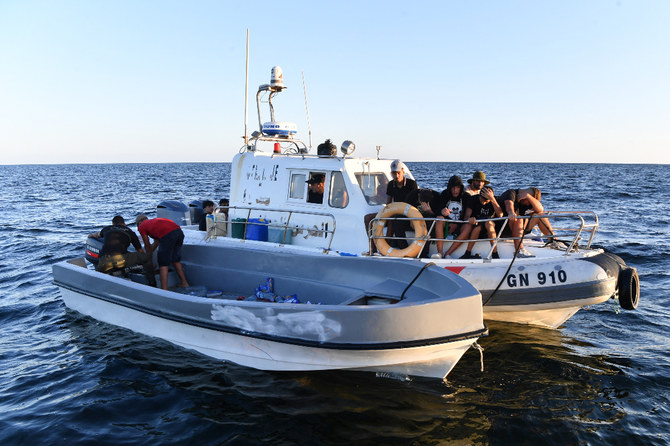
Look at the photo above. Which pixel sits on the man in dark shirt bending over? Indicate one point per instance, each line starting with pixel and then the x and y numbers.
pixel 114 253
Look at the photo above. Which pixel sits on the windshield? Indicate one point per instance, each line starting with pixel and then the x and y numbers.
pixel 373 185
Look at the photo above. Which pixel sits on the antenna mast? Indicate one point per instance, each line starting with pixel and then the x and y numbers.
pixel 246 99
pixel 309 127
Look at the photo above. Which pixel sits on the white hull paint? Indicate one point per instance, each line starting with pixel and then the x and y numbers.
pixel 434 361
pixel 544 315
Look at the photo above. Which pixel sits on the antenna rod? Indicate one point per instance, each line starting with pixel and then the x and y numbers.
pixel 246 98
pixel 309 127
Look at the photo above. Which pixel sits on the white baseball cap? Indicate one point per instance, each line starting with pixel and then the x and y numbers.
pixel 397 166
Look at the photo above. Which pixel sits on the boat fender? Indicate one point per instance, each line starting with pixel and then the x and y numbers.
pixel 629 288
pixel 394 209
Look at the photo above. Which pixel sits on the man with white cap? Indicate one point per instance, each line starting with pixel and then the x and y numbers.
pixel 400 186
pixel 398 190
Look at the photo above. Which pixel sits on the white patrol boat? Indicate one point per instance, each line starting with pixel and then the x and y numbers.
pixel 273 211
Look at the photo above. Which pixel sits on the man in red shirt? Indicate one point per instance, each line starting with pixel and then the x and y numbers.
pixel 169 238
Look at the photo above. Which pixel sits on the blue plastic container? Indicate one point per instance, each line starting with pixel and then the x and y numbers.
pixel 257 229
pixel 276 235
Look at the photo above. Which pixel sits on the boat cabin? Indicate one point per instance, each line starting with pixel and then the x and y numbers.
pixel 276 187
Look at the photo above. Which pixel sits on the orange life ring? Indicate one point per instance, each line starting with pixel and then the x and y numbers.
pixel 389 211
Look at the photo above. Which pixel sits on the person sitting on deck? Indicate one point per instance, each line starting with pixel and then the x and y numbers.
pixel 480 207
pixel 476 183
pixel 114 253
pixel 518 202
pixel 454 199
pixel 429 203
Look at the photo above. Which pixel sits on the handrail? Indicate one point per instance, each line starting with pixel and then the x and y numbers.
pixel 289 214
pixel 584 227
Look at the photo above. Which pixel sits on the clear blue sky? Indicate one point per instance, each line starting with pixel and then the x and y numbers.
pixel 163 81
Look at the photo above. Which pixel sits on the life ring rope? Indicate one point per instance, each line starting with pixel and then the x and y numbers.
pixel 394 209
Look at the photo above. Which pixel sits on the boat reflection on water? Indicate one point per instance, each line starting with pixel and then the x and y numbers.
pixel 536 382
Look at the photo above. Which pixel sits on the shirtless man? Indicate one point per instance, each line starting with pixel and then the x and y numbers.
pixel 515 204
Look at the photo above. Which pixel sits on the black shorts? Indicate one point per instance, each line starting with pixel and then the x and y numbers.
pixel 169 249
pixel 508 231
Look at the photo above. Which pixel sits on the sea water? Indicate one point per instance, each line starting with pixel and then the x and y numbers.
pixel 602 378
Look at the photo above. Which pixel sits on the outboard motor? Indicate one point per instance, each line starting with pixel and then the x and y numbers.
pixel 196 211
pixel 174 210
pixel 93 247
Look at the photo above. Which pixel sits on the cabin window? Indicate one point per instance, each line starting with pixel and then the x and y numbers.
pixel 374 186
pixel 338 196
pixel 298 186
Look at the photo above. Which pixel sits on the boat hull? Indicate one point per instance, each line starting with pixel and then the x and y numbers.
pixel 421 335
pixel 544 291
pixel 435 361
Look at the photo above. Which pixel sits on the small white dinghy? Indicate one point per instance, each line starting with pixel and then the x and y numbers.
pixel 318 313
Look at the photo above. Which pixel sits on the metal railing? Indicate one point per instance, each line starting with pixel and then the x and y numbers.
pixel 252 213
pixel 570 236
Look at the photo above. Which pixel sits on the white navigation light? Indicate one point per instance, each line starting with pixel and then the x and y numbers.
pixel 277 77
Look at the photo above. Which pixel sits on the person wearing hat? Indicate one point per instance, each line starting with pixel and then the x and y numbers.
pixel 398 190
pixel 169 239
pixel 483 206
pixel 315 186
pixel 400 186
pixel 476 183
